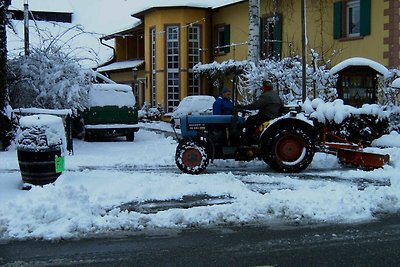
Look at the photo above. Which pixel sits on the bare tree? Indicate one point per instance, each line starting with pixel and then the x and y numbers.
pixel 254 31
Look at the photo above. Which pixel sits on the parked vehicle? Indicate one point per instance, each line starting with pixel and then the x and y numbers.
pixel 193 105
pixel 112 111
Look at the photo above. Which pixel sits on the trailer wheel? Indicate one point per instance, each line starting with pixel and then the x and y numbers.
pixel 191 157
pixel 289 149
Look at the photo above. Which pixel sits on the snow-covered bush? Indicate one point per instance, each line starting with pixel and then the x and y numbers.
pixel 285 74
pixel 147 113
pixel 354 124
pixel 49 79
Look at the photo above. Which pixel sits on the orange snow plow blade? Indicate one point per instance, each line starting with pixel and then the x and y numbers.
pixel 362 159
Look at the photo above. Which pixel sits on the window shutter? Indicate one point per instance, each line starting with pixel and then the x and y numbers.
pixel 227 37
pixel 278 37
pixel 365 17
pixel 337 20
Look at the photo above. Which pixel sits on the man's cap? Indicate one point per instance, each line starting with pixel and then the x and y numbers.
pixel 225 90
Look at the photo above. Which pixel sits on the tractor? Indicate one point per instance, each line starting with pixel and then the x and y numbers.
pixel 287 144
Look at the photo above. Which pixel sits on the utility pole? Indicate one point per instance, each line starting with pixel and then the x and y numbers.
pixel 303 49
pixel 26 27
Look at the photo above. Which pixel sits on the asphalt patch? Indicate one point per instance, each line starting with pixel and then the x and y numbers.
pixel 186 202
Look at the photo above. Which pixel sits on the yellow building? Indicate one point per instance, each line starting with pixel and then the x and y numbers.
pixel 172 39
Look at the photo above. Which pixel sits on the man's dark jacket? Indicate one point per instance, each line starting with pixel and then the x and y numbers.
pixel 268 104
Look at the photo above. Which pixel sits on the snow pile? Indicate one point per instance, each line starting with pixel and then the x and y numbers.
pixel 38 132
pixel 120 95
pixel 337 111
pixel 390 140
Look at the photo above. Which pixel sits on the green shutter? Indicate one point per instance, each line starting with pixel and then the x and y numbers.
pixel 227 38
pixel 365 17
pixel 278 37
pixel 337 20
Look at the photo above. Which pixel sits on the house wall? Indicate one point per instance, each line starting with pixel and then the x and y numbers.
pixel 320 31
pixel 160 18
pixel 237 16
pixel 381 45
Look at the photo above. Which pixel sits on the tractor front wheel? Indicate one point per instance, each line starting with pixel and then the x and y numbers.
pixel 290 149
pixel 191 157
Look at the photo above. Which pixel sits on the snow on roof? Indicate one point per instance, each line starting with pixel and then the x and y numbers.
pixel 150 4
pixel 359 61
pixel 95 17
pixel 60 6
pixel 121 65
pixel 396 83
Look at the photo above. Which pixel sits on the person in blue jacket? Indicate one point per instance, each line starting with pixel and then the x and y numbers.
pixel 223 105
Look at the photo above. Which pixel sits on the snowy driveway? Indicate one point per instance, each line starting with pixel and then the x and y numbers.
pixel 110 186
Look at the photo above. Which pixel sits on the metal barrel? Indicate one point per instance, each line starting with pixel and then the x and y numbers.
pixel 38 167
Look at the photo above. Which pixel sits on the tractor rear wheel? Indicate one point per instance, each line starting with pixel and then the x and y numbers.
pixel 289 149
pixel 191 157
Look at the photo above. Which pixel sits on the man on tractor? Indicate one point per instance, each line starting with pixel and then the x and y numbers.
pixel 223 105
pixel 269 106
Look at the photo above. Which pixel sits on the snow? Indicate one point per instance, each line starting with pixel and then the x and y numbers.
pixel 120 95
pixel 337 111
pixel 396 83
pixel 129 64
pixel 102 176
pixel 195 105
pixel 40 132
pixel 63 6
pixel 389 140
pixel 91 20
pixel 188 3
pixel 359 61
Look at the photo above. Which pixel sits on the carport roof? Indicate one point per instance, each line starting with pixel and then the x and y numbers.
pixel 122 65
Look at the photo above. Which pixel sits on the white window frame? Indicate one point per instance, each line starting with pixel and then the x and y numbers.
pixel 172 66
pixel 153 70
pixel 194 34
pixel 350 8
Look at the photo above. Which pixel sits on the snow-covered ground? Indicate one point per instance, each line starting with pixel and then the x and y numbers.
pixel 102 176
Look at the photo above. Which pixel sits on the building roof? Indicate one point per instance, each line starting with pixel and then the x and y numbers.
pixel 122 65
pixel 124 31
pixel 57 6
pixel 153 4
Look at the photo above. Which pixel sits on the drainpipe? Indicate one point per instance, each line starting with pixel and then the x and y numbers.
pixel 109 46
pixel 26 27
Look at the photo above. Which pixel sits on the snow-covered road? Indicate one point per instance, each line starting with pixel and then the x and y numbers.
pixel 111 186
